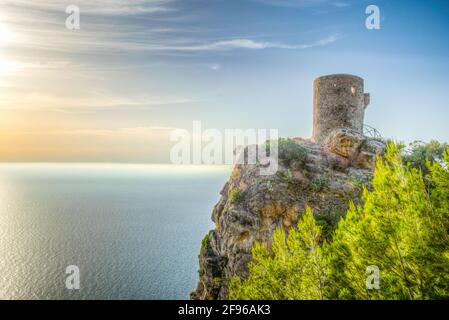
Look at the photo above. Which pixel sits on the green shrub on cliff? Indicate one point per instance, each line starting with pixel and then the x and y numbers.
pixel 402 229
pixel 289 151
pixel 292 269
pixel 205 241
pixel 320 183
pixel 237 196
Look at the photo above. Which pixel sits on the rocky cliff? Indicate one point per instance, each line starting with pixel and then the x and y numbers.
pixel 324 176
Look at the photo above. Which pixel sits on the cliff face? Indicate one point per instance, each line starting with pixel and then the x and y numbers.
pixel 326 177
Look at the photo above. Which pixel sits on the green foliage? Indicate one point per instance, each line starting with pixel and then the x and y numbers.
pixel 269 186
pixel 402 228
pixel 205 241
pixel 237 196
pixel 419 153
pixel 217 281
pixel 320 183
pixel 292 269
pixel 398 230
pixel 306 173
pixel 439 191
pixel 358 182
pixel 328 221
pixel 287 175
pixel 289 151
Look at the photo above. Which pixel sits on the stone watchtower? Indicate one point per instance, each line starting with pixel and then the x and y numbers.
pixel 339 102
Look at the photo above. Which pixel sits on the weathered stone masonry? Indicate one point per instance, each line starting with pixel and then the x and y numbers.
pixel 339 102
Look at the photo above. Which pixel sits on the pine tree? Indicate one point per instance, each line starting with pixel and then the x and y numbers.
pixel 292 269
pixel 402 229
pixel 399 230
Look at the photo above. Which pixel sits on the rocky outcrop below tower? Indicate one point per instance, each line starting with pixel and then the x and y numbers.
pixel 324 176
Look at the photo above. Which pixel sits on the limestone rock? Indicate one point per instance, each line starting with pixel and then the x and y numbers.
pixel 345 142
pixel 354 146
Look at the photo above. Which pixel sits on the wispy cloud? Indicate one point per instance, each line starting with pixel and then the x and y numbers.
pixel 302 3
pixel 67 104
pixel 246 44
pixel 137 132
pixel 97 44
pixel 40 26
pixel 194 46
pixel 214 66
pixel 95 7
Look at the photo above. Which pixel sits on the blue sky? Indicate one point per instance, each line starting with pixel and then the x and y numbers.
pixel 113 90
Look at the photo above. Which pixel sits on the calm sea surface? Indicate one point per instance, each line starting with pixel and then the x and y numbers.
pixel 134 231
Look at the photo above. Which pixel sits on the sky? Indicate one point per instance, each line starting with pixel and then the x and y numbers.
pixel 113 90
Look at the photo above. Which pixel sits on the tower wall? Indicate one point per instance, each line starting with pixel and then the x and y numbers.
pixel 339 102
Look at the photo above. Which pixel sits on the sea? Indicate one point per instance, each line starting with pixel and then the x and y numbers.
pixel 120 231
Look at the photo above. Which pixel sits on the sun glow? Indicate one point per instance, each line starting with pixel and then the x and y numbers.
pixel 7 67
pixel 7 36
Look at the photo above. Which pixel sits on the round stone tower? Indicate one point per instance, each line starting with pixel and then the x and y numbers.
pixel 339 102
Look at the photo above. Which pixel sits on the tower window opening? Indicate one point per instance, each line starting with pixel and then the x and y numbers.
pixel 353 90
